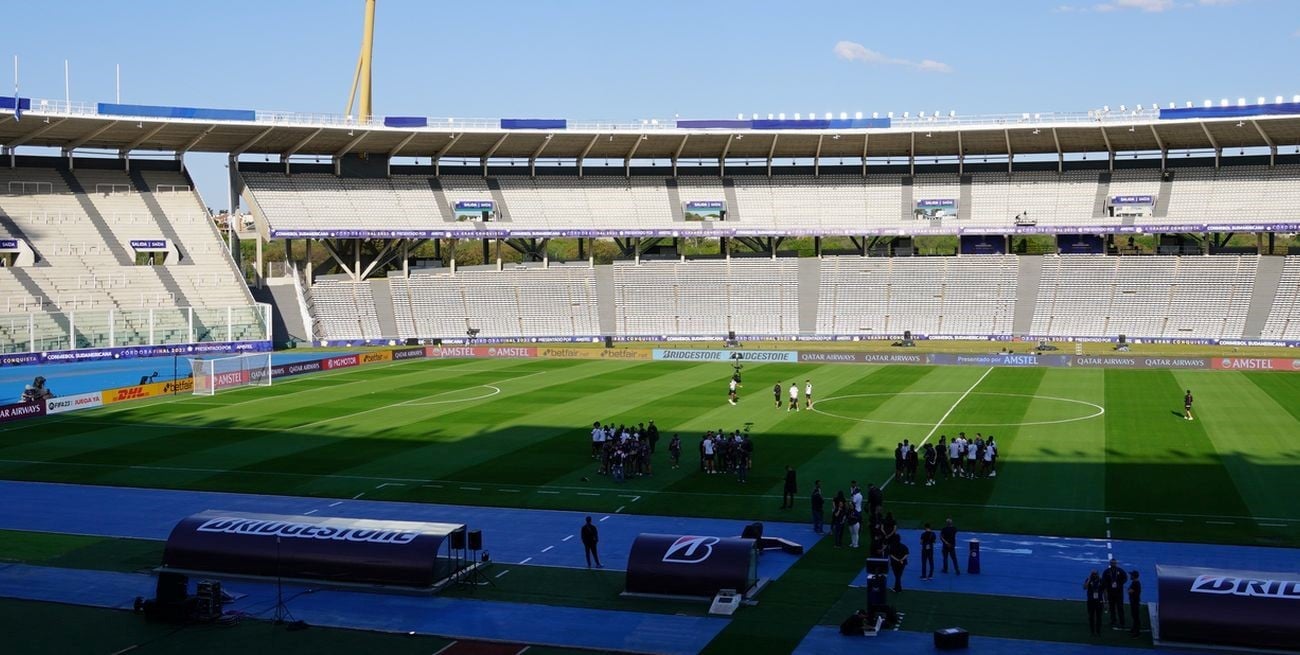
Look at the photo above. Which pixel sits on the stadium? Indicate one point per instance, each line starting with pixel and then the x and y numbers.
pixel 466 385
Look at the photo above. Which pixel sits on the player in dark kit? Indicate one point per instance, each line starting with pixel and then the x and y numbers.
pixel 1187 405
pixel 776 392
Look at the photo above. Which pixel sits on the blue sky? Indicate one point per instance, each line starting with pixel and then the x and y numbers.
pixel 616 59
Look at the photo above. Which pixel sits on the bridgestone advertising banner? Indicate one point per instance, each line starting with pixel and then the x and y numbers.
pixel 691 565
pixel 1252 609
pixel 693 355
pixel 338 550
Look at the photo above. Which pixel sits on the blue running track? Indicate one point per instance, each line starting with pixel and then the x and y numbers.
pixel 827 640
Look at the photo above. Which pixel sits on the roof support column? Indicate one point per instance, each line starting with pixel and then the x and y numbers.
pixel 627 160
pixel 865 138
pixel 1011 156
pixel 678 153
pixel 771 154
pixel 1060 154
pixel 492 151
pixel 722 159
pixel 532 159
pixel 817 157
pixel 911 156
pixel 1272 146
pixel 437 156
pixel 1164 151
pixel 1110 150
pixel 1218 152
pixel 583 157
pixel 961 156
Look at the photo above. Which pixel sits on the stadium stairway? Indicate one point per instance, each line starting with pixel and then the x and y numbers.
pixel 159 216
pixel 1030 277
pixel 674 201
pixel 1161 210
pixel 1103 194
pixel 444 206
pixel 606 303
pixel 503 212
pixel 11 230
pixel 810 282
pixel 1267 278
pixel 382 292
pixel 733 205
pixel 286 320
pixel 96 219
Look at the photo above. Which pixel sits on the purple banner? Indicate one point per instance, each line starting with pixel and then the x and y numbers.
pixel 149 244
pixel 133 352
pixel 408 353
pixel 18 411
pixel 1132 200
pixel 8 244
pixel 297 368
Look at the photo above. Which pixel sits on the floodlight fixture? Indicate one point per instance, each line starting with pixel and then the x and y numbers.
pixel 1260 100
pixel 844 115
pixel 1241 102
pixel 857 116
pixel 781 115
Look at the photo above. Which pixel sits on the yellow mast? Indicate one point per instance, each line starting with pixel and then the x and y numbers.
pixel 362 77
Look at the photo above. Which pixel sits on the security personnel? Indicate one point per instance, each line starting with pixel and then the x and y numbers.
pixel 948 535
pixel 818 506
pixel 1135 601
pixel 927 553
pixel 1113 579
pixel 1092 588
pixel 898 560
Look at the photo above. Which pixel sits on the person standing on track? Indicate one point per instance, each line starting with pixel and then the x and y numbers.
pixel 590 536
pixel 927 553
pixel 948 537
pixel 791 488
pixel 1112 580
pixel 1187 405
pixel 818 506
pixel 1092 592
pixel 1135 602
pixel 898 560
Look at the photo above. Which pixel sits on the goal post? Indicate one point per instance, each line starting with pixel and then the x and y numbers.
pixel 220 373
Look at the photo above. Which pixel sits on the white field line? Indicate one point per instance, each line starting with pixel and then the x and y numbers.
pixel 943 418
pixel 407 402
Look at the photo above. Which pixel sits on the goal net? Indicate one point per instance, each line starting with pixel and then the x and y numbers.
pixel 213 375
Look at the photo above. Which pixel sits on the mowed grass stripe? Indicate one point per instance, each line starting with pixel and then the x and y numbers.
pixel 345 446
pixel 1253 436
pixel 1154 459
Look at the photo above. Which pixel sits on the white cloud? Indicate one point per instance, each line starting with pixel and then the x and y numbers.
pixel 851 51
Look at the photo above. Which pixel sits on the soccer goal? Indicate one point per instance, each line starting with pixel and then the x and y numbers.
pixel 213 375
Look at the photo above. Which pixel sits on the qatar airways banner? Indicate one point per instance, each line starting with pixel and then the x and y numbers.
pixel 1250 609
pixel 690 565
pixel 338 550
pixel 18 411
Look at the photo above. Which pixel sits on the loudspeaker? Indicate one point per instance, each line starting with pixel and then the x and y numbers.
pixel 951 639
pixel 752 531
pixel 609 342
pixel 877 566
pixel 722 214
pixel 907 335
pixel 172 589
pixel 412 342
pixel 877 592
pixel 475 540
pixel 486 215
pixel 458 540
pixel 1123 339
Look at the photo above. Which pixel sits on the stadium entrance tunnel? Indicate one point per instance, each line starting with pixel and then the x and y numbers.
pixel 929 407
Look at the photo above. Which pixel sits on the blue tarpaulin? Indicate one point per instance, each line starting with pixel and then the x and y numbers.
pixel 1231 112
pixel 534 124
pixel 405 121
pixel 158 111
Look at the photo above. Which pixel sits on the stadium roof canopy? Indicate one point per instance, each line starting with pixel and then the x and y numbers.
pixel 127 128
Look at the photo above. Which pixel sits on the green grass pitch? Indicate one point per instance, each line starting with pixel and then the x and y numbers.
pixel 1076 446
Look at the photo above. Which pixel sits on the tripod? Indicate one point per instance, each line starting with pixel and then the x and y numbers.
pixel 475 575
pixel 282 614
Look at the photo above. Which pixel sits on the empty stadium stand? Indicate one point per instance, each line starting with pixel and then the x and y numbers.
pixel 81 223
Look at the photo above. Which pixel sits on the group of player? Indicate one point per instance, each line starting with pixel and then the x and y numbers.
pixel 722 452
pixel 963 457
pixel 794 395
pixel 625 451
